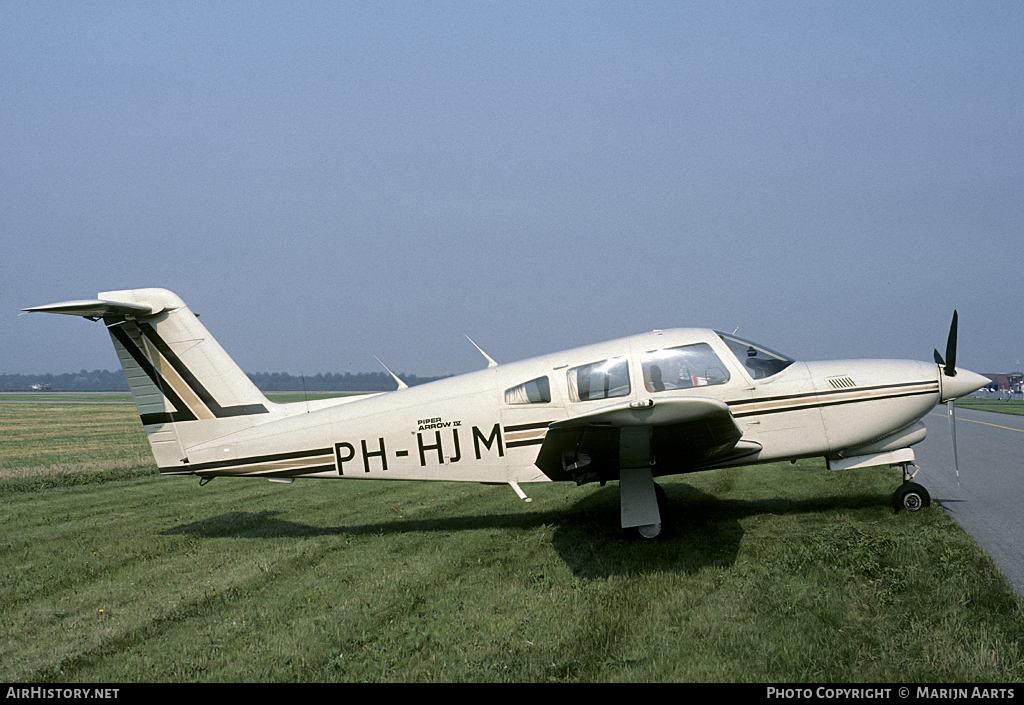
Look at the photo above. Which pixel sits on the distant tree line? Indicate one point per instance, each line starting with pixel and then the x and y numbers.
pixel 84 381
pixel 105 381
pixel 332 382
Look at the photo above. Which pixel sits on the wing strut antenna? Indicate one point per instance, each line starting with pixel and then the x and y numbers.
pixel 401 384
pixel 490 360
pixel 519 491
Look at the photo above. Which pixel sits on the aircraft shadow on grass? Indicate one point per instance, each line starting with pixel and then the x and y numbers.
pixel 706 531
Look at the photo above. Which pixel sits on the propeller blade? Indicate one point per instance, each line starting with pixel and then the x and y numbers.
pixel 951 348
pixel 938 359
pixel 951 410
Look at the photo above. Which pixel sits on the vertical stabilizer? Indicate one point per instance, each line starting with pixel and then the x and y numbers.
pixel 187 389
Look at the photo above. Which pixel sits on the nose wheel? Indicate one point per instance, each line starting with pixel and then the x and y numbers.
pixel 910 496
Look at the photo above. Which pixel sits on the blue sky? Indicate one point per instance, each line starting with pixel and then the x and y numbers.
pixel 329 181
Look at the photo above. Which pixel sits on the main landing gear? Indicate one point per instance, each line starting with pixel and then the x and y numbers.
pixel 910 496
pixel 661 529
pixel 643 503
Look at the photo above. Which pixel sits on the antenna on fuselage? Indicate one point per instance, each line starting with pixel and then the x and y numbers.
pixel 490 360
pixel 305 394
pixel 401 384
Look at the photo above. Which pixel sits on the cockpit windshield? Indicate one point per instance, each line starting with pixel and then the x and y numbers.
pixel 759 361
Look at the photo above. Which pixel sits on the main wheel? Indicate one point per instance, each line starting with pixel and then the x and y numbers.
pixel 649 531
pixel 910 497
pixel 661 529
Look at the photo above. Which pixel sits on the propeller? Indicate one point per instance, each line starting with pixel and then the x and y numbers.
pixel 949 369
pixel 951 412
pixel 949 366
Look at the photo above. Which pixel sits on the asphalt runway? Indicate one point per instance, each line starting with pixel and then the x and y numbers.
pixel 988 502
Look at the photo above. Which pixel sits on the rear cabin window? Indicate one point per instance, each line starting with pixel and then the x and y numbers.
pixel 599 380
pixel 536 391
pixel 682 368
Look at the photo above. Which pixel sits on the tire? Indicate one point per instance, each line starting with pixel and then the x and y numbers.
pixel 648 532
pixel 910 497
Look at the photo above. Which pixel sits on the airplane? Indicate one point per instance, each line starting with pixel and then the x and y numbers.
pixel 628 410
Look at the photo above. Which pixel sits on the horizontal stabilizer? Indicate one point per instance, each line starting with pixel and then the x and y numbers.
pixel 95 309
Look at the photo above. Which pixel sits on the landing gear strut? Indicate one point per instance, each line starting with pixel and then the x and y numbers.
pixel 910 496
pixel 661 529
pixel 643 503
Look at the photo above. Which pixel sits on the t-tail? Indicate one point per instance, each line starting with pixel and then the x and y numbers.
pixel 187 389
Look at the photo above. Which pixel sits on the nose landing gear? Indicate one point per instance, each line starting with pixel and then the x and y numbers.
pixel 910 496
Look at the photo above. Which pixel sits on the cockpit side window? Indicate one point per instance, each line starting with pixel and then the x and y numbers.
pixel 536 391
pixel 599 380
pixel 759 361
pixel 682 368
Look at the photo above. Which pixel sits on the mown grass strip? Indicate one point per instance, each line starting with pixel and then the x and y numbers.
pixel 58 439
pixel 1014 407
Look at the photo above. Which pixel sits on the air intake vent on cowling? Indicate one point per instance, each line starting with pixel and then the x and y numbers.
pixel 841 382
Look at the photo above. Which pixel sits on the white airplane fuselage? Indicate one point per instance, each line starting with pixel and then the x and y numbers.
pixel 632 409
pixel 462 429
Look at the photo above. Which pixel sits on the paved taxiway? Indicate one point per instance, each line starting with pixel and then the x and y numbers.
pixel 989 499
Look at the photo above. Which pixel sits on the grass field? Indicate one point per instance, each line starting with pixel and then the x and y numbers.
pixel 110 573
pixel 1012 406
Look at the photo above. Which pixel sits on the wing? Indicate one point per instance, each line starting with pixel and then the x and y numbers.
pixel 672 435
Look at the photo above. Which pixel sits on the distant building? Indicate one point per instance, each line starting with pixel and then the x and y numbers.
pixel 1008 382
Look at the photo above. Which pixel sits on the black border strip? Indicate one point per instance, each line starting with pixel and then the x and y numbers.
pixel 527 426
pixel 839 392
pixel 181 412
pixel 254 460
pixel 520 444
pixel 193 382
pixel 816 400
